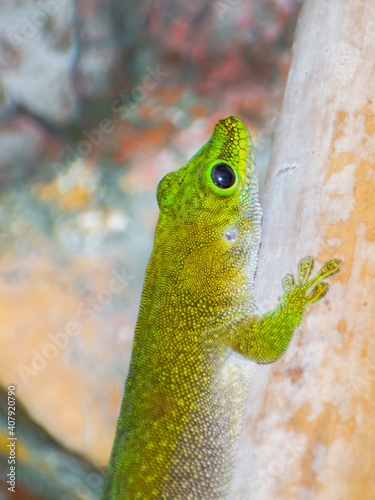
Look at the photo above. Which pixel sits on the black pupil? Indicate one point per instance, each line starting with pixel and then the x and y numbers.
pixel 223 176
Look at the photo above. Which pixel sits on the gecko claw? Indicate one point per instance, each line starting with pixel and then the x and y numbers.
pixel 288 282
pixel 306 291
pixel 305 268
pixel 317 293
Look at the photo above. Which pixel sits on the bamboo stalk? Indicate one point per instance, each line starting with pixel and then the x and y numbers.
pixel 310 425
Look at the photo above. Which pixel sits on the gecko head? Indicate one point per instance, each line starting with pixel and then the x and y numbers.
pixel 217 188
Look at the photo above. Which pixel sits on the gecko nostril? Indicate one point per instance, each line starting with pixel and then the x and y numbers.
pixel 231 234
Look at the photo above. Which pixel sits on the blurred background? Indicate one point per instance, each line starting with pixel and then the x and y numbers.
pixel 99 100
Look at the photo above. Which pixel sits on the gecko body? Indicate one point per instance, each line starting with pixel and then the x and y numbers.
pixel 197 329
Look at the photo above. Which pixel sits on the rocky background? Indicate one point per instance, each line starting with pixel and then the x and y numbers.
pixel 99 100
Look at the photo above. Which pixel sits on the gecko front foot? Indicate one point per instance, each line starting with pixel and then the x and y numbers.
pixel 296 292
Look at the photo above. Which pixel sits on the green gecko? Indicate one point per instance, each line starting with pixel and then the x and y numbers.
pixel 197 329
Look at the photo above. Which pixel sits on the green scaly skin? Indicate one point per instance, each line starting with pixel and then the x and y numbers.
pixel 185 394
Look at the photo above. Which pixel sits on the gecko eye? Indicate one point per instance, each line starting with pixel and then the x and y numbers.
pixel 223 176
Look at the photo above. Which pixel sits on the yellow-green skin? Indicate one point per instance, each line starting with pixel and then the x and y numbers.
pixel 185 394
